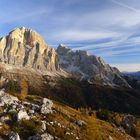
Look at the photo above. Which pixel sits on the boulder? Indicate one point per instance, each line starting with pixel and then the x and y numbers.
pixel 1 124
pixel 31 112
pixel 44 136
pixel 22 114
pixel 35 107
pixel 4 118
pixel 36 137
pixel 128 122
pixel 80 123
pixel 43 127
pixel 46 106
pixel 14 136
pixel 6 99
pixel 47 136
pixel 110 138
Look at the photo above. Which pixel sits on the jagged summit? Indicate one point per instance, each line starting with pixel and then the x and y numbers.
pixel 62 46
pixel 25 47
pixel 63 49
pixel 27 35
pixel 21 28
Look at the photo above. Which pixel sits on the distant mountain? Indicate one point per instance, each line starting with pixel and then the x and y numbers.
pixel 89 67
pixel 135 75
pixel 133 78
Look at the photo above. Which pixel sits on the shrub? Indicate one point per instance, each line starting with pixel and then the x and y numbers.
pixel 69 137
pixel 138 129
pixel 106 115
pixel 24 89
pixel 13 115
pixel 12 86
pixel 4 131
pixel 28 128
pixel 117 119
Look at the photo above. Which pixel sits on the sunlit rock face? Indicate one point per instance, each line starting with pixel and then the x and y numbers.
pixel 25 47
pixel 89 67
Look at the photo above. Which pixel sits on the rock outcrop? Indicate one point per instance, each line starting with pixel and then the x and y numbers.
pixel 46 106
pixel 6 99
pixel 14 136
pixel 45 136
pixel 22 114
pixel 11 103
pixel 89 67
pixel 25 47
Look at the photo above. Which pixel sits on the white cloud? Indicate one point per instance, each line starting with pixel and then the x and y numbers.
pixel 119 47
pixel 127 67
pixel 79 35
pixel 102 46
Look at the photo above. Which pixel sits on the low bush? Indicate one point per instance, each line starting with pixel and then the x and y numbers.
pixel 106 115
pixel 28 128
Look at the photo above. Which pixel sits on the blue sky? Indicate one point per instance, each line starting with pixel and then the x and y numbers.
pixel 107 28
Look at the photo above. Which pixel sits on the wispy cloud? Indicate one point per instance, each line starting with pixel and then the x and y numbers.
pixel 81 35
pixel 24 16
pixel 125 6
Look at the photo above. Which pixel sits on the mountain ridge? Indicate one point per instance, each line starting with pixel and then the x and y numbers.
pixel 24 47
pixel 89 67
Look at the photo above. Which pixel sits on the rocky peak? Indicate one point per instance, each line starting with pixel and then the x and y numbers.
pixel 27 36
pixel 62 49
pixel 89 67
pixel 25 47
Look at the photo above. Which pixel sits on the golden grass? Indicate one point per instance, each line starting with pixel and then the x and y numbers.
pixel 94 130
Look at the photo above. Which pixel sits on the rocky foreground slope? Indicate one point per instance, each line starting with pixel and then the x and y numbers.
pixel 37 118
pixel 25 48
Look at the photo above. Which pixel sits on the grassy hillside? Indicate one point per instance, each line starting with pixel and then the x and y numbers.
pixel 82 94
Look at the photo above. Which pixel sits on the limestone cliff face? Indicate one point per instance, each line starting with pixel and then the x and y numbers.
pixel 24 47
pixel 89 67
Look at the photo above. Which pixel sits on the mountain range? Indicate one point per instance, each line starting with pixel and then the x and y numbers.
pixel 26 48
